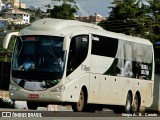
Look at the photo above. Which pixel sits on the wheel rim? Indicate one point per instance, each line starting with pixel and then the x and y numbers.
pixel 81 101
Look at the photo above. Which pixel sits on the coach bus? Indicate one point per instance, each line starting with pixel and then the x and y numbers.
pixel 80 64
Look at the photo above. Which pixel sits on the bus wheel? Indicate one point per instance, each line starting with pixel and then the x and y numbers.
pixel 135 106
pixel 81 104
pixel 32 105
pixel 128 105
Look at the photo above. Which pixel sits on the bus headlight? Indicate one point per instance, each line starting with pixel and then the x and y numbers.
pixel 12 87
pixel 58 89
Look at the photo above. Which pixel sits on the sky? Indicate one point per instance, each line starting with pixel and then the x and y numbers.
pixel 86 7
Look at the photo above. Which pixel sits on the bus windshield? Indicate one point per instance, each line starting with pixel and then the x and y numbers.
pixel 38 59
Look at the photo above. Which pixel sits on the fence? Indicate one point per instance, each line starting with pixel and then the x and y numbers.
pixel 4 75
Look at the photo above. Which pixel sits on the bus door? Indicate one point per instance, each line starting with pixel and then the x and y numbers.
pixel 77 65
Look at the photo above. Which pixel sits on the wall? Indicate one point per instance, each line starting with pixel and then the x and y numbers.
pixel 13 16
pixel 26 18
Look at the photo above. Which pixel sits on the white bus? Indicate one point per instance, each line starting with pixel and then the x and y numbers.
pixel 80 64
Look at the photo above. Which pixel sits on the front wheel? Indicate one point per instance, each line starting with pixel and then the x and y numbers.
pixel 81 104
pixel 32 105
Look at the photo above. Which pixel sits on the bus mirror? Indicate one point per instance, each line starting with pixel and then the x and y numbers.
pixel 7 39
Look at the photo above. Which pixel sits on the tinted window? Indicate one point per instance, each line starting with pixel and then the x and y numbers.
pixel 104 46
pixel 77 52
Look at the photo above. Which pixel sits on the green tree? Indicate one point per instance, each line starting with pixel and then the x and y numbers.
pixel 129 17
pixel 154 7
pixel 6 54
pixel 49 7
pixel 135 18
pixel 64 11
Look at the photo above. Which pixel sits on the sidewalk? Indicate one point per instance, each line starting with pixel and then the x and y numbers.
pixel 4 94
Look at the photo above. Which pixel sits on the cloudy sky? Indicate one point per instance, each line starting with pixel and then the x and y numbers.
pixel 86 7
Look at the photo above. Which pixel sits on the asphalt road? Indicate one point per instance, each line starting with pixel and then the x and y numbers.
pixel 16 114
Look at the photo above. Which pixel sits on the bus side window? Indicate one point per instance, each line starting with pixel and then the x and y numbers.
pixel 77 52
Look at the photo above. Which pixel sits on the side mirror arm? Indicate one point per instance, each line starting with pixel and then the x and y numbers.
pixel 8 38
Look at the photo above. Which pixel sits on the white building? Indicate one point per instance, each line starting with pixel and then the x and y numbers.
pixel 17 14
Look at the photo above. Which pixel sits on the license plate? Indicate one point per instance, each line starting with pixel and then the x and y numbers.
pixel 33 96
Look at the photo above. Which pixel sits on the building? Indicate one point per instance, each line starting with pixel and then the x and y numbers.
pixel 17 14
pixel 1 7
pixel 3 23
pixel 91 19
pixel 15 3
pixel 4 6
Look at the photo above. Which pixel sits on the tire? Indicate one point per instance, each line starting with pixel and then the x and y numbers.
pixel 80 106
pixel 136 104
pixel 32 105
pixel 128 105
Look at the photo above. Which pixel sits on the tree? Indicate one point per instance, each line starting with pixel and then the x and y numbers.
pixel 38 13
pixel 129 17
pixel 133 17
pixel 154 7
pixel 48 6
pixel 6 53
pixel 64 1
pixel 64 11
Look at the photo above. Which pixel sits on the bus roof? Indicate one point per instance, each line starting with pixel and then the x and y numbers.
pixel 59 27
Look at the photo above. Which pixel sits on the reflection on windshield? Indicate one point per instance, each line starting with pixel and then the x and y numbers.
pixel 40 53
pixel 39 58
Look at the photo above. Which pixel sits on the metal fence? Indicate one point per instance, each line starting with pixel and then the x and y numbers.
pixel 4 75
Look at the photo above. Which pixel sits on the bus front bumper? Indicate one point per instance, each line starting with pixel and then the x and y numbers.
pixel 39 96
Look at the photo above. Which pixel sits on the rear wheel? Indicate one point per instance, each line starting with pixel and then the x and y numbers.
pixel 136 104
pixel 128 106
pixel 81 104
pixel 32 105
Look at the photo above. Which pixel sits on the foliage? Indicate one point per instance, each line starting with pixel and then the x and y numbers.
pixel 7 104
pixel 7 52
pixel 154 7
pixel 64 11
pixel 64 1
pixel 135 18
pixel 48 6
pixel 129 17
